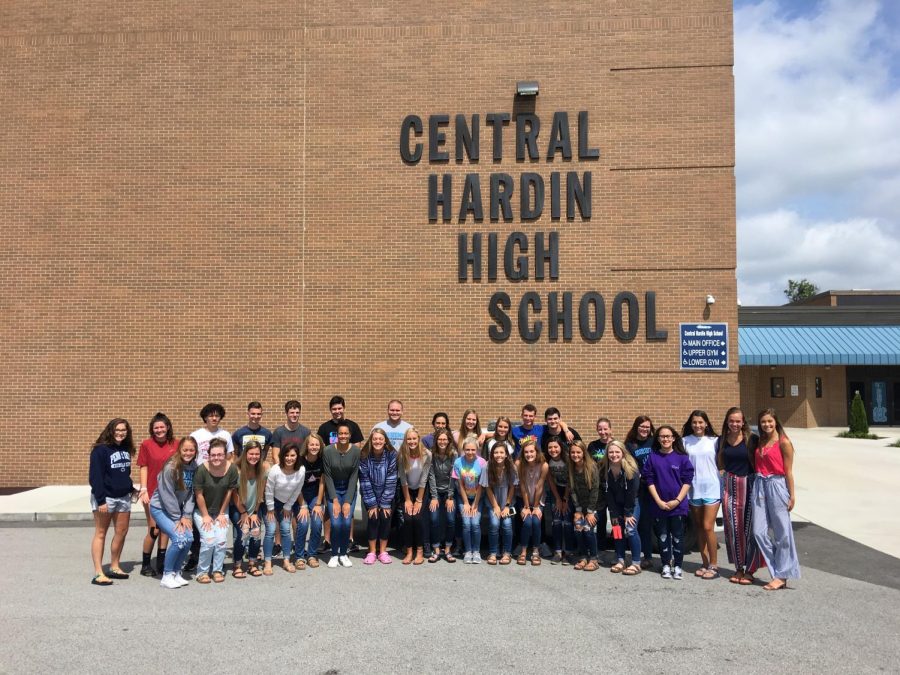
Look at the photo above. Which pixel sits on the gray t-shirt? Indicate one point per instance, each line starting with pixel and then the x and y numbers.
pixel 501 490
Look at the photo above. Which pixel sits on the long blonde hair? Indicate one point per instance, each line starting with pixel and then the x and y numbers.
pixel 248 472
pixel 629 465
pixel 590 466
pixel 405 459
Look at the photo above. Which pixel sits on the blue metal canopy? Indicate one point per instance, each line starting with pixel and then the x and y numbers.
pixel 819 345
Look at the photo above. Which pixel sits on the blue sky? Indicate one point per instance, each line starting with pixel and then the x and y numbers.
pixel 817 119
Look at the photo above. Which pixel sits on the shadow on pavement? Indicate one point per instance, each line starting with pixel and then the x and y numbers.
pixel 824 550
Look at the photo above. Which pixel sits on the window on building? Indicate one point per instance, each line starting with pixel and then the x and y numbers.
pixel 776 385
pixel 818 387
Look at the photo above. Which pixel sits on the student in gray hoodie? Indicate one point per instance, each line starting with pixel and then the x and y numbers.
pixel 172 506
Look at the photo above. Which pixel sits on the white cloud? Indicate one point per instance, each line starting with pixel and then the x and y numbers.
pixel 817 133
pixel 843 254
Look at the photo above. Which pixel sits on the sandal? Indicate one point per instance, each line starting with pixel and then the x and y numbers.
pixel 700 571
pixel 253 570
pixel 580 565
pixel 521 559
pixel 289 567
pixel 237 572
pixel 747 580
pixel 736 577
pixel 535 559
pixel 618 567
pixel 116 573
pixel 218 577
pixel 419 559
pixel 631 571
pixel 203 579
pixel 312 563
pixel 101 580
pixel 712 572
pixel 301 564
pixel 267 570
pixel 505 559
pixel 772 587
pixel 492 559
pixel 591 566
pixel 449 557
pixel 434 557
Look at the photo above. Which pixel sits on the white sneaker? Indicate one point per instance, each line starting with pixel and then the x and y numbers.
pixel 467 558
pixel 345 561
pixel 666 572
pixel 476 558
pixel 333 561
pixel 168 581
pixel 181 580
pixel 677 573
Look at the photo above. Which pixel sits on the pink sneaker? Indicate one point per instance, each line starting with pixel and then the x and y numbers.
pixel 369 559
pixel 384 558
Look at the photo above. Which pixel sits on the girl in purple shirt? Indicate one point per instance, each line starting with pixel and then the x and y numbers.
pixel 668 473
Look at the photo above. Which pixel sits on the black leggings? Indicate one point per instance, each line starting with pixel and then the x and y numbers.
pixel 414 528
pixel 379 527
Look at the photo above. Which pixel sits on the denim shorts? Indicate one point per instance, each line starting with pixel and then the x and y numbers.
pixel 114 504
pixel 704 501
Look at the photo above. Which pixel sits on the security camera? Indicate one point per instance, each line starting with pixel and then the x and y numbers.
pixel 710 300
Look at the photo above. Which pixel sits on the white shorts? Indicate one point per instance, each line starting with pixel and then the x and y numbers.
pixel 114 504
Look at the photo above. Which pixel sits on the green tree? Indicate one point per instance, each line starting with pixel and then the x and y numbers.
pixel 859 422
pixel 800 290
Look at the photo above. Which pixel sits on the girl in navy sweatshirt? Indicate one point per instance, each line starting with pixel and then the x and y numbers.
pixel 622 479
pixel 111 488
pixel 378 485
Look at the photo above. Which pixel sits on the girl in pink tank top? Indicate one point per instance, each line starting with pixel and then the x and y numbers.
pixel 773 499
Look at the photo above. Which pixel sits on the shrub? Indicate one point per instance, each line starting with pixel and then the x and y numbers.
pixel 859 423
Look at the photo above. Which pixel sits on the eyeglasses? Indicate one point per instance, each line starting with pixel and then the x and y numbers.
pixel 665 438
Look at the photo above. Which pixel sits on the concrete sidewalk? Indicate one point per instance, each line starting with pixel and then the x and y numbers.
pixel 843 485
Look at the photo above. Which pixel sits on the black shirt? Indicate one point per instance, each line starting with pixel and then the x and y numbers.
pixel 563 440
pixel 328 431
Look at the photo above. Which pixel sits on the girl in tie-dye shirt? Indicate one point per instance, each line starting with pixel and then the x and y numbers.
pixel 466 475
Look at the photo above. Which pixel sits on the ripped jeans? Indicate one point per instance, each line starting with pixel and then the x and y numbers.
pixel 179 542
pixel 670 532
pixel 212 545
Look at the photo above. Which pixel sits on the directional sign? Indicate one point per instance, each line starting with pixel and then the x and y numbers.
pixel 704 346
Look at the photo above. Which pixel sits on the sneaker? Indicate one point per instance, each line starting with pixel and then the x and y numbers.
pixel 646 563
pixel 557 558
pixel 677 574
pixel 476 558
pixel 370 559
pixel 333 561
pixel 181 580
pixel 147 571
pixel 324 546
pixel 168 581
pixel 666 572
pixel 384 558
pixel 191 564
pixel 568 560
pixel 345 561
pixel 353 547
pixel 467 558
pixel 277 552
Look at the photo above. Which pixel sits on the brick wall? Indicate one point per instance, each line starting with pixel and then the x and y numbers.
pixel 803 410
pixel 205 202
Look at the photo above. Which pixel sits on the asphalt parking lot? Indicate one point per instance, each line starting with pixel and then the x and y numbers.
pixel 843 616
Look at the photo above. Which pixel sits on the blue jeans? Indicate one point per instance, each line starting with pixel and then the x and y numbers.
pixel 340 525
pixel 284 523
pixel 471 525
pixel 630 533
pixel 179 542
pixel 499 525
pixel 313 526
pixel 212 545
pixel 670 532
pixel 446 533
pixel 563 534
pixel 587 537
pixel 645 524
pixel 531 532
pixel 254 542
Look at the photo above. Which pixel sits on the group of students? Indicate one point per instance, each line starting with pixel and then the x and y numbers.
pixel 539 484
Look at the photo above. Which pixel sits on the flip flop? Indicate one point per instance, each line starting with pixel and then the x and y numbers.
pixel 101 580
pixel 117 573
pixel 711 573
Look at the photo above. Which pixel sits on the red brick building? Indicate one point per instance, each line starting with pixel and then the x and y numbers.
pixel 209 201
